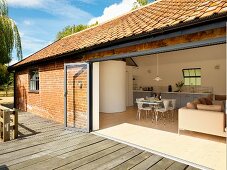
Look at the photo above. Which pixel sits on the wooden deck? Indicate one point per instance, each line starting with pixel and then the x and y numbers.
pixel 44 144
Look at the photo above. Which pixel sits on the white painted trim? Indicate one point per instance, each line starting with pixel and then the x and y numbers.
pixel 95 99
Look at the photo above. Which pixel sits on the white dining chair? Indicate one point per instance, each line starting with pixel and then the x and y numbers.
pixel 141 108
pixel 162 111
pixel 172 108
pixel 152 106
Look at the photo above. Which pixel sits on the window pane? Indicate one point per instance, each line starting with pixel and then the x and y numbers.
pixel 192 76
pixel 32 75
pixel 34 80
pixel 186 72
pixel 186 81
pixel 32 85
pixel 198 72
pixel 198 81
pixel 192 81
pixel 192 72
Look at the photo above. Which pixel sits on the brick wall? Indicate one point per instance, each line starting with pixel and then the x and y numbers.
pixel 49 101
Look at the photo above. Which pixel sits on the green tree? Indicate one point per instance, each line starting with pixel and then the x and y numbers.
pixel 140 3
pixel 68 30
pixel 10 37
pixel 6 78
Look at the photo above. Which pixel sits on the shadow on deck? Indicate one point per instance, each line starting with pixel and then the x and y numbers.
pixel 25 131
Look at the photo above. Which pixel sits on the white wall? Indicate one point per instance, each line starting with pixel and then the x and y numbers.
pixel 129 86
pixel 172 63
pixel 112 85
pixel 95 96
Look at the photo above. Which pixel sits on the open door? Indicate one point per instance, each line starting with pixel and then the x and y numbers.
pixel 76 96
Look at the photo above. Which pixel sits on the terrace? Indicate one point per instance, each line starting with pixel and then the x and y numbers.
pixel 44 144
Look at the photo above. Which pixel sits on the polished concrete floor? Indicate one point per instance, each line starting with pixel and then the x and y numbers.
pixel 168 124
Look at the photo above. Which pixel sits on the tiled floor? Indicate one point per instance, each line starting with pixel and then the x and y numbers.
pixel 129 116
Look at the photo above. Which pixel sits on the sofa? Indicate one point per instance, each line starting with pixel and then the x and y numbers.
pixel 204 116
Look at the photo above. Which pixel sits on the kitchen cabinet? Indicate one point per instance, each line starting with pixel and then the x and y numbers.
pixel 141 94
pixel 178 100
pixel 185 98
pixel 167 95
pixel 182 98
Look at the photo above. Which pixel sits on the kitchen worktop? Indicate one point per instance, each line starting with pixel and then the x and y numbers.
pixel 187 92
pixel 141 91
pixel 173 92
pixel 182 98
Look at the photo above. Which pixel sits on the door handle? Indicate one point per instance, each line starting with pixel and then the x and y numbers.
pixel 65 94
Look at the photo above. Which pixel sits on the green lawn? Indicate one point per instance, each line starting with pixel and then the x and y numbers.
pixel 3 93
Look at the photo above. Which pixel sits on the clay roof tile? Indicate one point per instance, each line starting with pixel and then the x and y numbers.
pixel 157 15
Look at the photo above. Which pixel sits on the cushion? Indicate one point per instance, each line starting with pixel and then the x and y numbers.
pixel 210 96
pixel 216 108
pixel 208 101
pixel 202 100
pixel 190 105
pixel 220 97
pixel 219 102
pixel 196 102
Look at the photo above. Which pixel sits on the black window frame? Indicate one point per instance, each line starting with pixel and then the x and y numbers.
pixel 34 81
pixel 192 76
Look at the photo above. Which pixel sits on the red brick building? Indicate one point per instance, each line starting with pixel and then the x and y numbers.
pixel 47 86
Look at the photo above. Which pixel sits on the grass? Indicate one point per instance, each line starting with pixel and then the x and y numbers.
pixel 10 93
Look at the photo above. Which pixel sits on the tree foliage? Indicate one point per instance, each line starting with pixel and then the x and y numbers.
pixel 6 78
pixel 77 28
pixel 140 3
pixel 68 30
pixel 9 36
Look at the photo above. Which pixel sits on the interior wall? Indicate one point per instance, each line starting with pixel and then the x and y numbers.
pixel 129 86
pixel 211 60
pixel 112 76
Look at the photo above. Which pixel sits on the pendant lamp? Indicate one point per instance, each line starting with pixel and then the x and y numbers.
pixel 157 78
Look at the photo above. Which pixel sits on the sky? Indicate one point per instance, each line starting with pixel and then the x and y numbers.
pixel 40 20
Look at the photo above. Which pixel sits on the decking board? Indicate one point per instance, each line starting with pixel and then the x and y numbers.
pixel 43 156
pixel 44 144
pixel 133 161
pixel 36 148
pixel 91 158
pixel 49 156
pixel 162 164
pixel 153 159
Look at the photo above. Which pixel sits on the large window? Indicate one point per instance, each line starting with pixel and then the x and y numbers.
pixel 34 80
pixel 192 76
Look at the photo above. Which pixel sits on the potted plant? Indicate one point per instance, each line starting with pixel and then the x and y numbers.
pixel 179 85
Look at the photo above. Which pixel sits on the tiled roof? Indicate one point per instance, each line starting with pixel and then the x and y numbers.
pixel 154 16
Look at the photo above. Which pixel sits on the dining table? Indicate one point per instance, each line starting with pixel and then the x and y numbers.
pixel 154 104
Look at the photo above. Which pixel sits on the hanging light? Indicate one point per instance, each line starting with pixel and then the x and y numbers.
pixel 157 78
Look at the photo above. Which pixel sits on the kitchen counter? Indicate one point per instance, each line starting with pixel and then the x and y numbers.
pixel 173 92
pixel 141 94
pixel 141 91
pixel 186 92
pixel 182 98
